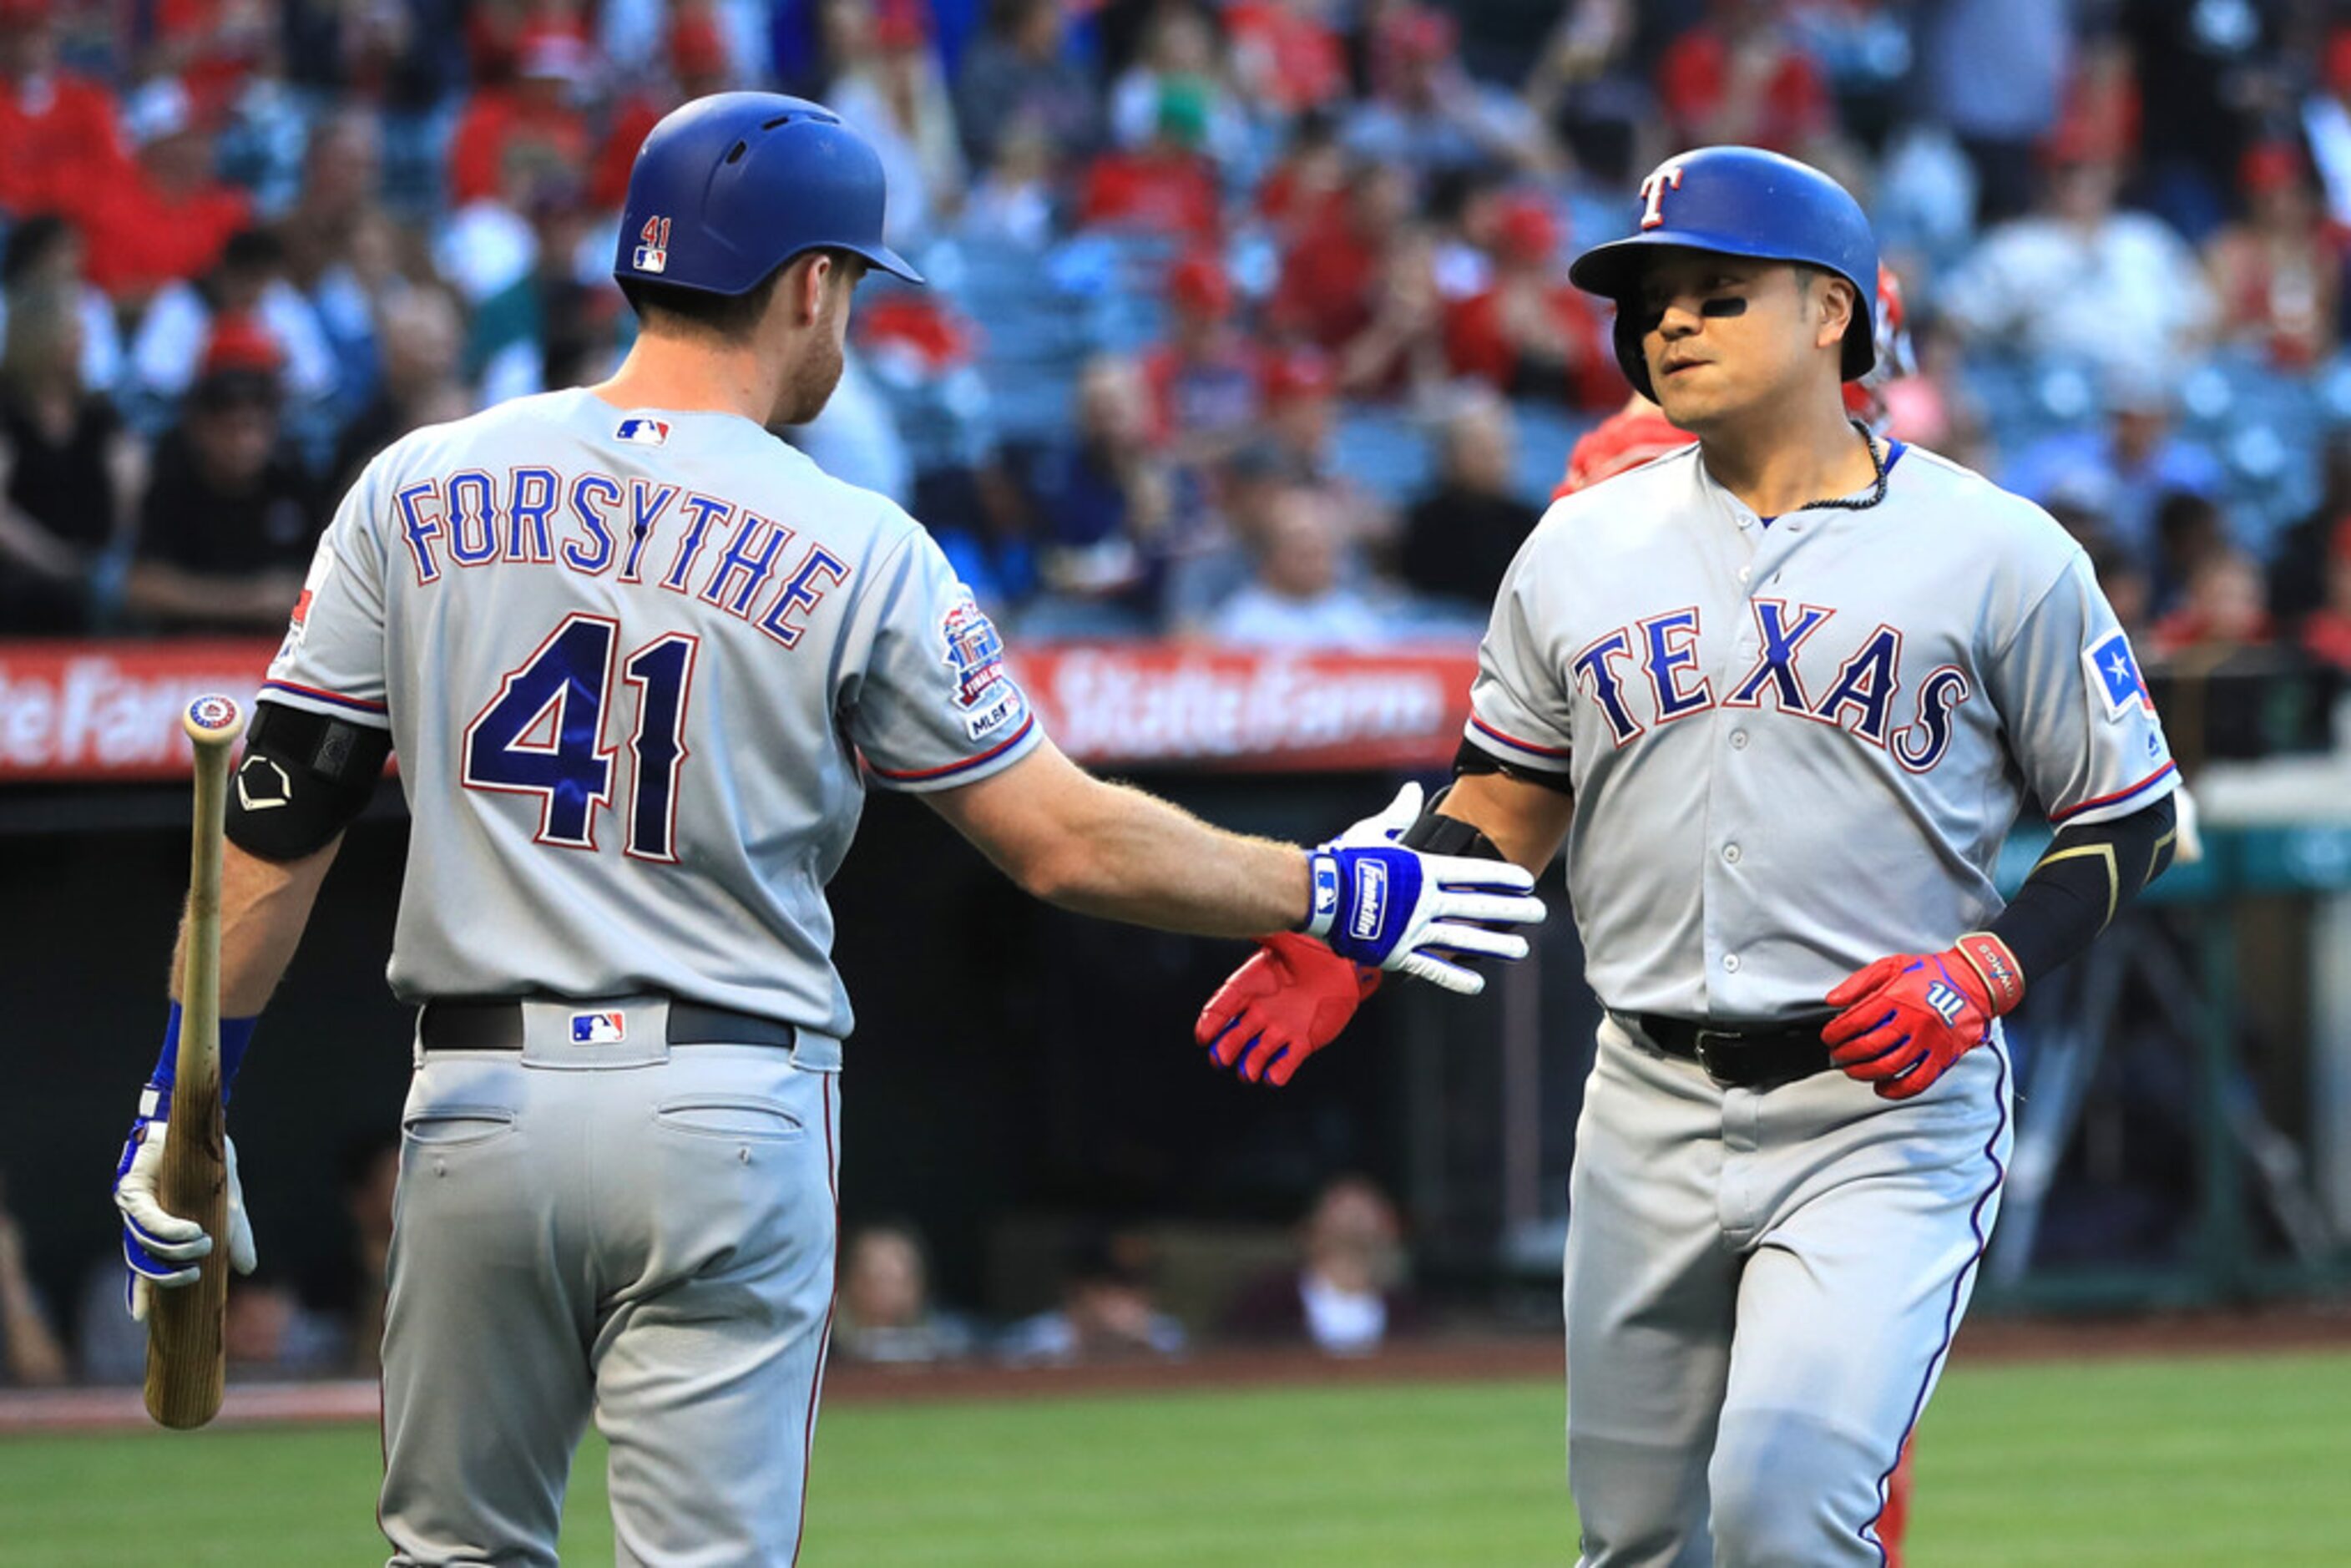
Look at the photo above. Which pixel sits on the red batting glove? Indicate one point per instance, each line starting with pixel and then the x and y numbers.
pixel 1907 1018
pixel 1289 1001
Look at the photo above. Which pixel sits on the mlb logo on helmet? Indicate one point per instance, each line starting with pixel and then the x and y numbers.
pixel 599 1029
pixel 642 432
pixel 652 246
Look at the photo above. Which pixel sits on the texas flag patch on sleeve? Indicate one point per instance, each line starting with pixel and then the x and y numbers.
pixel 2113 671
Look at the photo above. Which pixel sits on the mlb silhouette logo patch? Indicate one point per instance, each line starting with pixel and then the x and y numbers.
pixel 599 1029
pixel 652 246
pixel 642 432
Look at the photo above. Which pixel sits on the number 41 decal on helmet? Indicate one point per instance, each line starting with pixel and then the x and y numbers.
pixel 652 246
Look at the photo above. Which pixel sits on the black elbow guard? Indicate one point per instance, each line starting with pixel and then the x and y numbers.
pixel 303 777
pixel 1438 835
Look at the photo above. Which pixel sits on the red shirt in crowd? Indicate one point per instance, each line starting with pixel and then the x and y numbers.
pixel 1214 393
pixel 1475 344
pixel 1326 284
pixel 497 119
pixel 1163 191
pixel 140 239
pixel 1695 75
pixel 1626 439
pixel 59 146
pixel 1291 61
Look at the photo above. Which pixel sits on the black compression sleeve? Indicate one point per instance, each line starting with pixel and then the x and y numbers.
pixel 2085 878
pixel 1473 758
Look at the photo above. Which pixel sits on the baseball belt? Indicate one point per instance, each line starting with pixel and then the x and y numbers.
pixel 1737 1056
pixel 495 1023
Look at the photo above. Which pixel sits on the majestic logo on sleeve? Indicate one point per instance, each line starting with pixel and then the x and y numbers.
pixel 1653 672
pixel 984 695
pixel 2114 673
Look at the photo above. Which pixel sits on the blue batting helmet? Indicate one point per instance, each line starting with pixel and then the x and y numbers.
pixel 731 187
pixel 1738 201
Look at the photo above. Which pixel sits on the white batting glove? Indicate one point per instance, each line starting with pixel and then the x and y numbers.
pixel 161 1250
pixel 1379 903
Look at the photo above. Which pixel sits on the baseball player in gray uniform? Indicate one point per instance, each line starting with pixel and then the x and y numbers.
pixel 638 660
pixel 1790 687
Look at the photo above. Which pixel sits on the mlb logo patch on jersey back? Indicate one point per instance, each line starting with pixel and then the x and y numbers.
pixel 599 1029
pixel 2113 671
pixel 642 432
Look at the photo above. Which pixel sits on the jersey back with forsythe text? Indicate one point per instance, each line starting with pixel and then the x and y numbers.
pixel 1797 746
pixel 629 660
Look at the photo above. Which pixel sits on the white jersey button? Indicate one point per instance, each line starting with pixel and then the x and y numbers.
pixel 1746 572
pixel 1730 853
pixel 1738 740
pixel 1730 962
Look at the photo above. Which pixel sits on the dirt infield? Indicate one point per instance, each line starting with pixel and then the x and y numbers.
pixel 2303 1326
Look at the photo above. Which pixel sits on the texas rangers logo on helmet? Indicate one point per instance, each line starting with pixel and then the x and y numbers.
pixel 1663 178
pixel 652 246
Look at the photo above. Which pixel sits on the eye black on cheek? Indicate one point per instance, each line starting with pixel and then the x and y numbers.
pixel 1724 307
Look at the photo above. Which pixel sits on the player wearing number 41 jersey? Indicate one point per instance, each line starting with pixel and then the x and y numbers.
pixel 1780 695
pixel 640 661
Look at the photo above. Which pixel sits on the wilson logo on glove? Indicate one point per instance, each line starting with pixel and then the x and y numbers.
pixel 1370 899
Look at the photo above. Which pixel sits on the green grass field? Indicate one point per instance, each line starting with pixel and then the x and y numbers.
pixel 2146 1463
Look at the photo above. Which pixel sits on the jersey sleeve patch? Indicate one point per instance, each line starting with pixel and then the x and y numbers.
pixel 986 699
pixel 2114 675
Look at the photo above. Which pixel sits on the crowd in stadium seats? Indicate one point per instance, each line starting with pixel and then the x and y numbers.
pixel 1249 318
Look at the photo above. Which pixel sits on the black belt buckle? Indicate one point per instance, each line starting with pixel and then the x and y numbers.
pixel 1702 1046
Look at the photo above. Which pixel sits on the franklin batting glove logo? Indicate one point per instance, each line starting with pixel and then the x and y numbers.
pixel 1370 899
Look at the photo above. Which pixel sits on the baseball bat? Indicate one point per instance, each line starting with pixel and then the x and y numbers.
pixel 187 1353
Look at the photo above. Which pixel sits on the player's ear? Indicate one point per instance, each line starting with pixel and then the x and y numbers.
pixel 1836 302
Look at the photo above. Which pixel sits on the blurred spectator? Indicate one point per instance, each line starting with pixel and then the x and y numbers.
pixel 1012 202
pixel 1106 1312
pixel 1297 599
pixel 1347 1297
pixel 2188 532
pixel 423 337
pixel 229 520
pixel 2023 287
pixel 2124 469
pixel 2211 74
pixel 2129 588
pixel 167 217
pixel 695 48
pixel 1636 433
pixel 340 250
pixel 250 284
pixel 887 1315
pixel 1286 55
pixel 2224 607
pixel 1738 78
pixel 1585 88
pixel 263 124
pixel 1105 500
pixel 1530 333
pixel 48 252
pixel 2300 558
pixel 1460 538
pixel 1217 561
pixel 2277 275
pixel 1016 71
pixel 269 1333
pixel 1427 115
pixel 2326 631
pixel 1400 352
pixel 68 472
pixel 59 149
pixel 1179 49
pixel 559 324
pixel 1332 277
pixel 1309 183
pixel 891 90
pixel 1166 186
pixel 2327 122
pixel 535 115
pixel 1203 381
pixel 1995 73
pixel 31 1355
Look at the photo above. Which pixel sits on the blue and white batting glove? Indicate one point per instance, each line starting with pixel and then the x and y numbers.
pixel 159 1249
pixel 1379 903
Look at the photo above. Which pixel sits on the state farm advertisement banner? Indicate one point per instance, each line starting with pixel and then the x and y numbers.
pixel 110 710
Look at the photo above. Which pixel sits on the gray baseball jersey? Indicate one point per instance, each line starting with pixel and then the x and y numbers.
pixel 629 662
pixel 1796 746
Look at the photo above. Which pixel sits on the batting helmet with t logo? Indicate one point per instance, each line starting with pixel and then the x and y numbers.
pixel 1738 201
pixel 732 186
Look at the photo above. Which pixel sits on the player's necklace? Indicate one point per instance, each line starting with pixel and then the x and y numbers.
pixel 1877 491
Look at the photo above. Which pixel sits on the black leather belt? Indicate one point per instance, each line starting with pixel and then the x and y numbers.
pixel 1757 1056
pixel 495 1023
